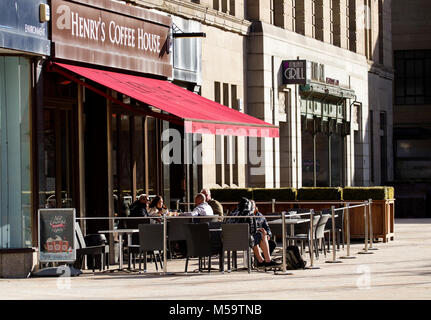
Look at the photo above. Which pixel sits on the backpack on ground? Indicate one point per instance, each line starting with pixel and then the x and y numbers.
pixel 294 259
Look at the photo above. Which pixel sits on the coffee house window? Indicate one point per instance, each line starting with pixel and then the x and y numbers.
pixel 412 77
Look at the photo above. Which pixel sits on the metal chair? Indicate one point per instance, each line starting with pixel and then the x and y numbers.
pixel 150 240
pixel 86 249
pixel 198 243
pixel 236 237
pixel 176 232
pixel 302 232
pixel 339 228
pixel 320 235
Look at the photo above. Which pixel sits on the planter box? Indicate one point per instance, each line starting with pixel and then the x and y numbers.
pixel 17 263
pixel 383 212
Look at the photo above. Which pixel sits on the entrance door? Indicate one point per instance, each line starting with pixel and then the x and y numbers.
pixel 58 185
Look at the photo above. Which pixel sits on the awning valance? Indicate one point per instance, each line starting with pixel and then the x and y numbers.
pixel 199 115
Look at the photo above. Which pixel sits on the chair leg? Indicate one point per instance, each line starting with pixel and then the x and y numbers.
pixel 145 261
pixel 140 261
pixel 209 263
pixel 155 261
pixel 94 263
pixel 309 250
pixel 102 262
pixel 338 239
pixel 249 261
pixel 324 246
pixel 160 259
pixel 129 257
pixel 228 262
pixel 187 262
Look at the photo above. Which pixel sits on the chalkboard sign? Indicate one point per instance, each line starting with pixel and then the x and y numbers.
pixel 57 235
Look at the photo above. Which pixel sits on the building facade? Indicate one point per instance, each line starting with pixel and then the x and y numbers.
pixel 412 100
pixel 336 128
pixel 329 122
pixel 23 45
pixel 320 71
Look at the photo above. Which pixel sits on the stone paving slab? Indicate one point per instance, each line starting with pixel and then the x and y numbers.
pixel 400 269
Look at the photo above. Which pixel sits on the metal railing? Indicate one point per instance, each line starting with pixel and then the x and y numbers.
pixel 311 214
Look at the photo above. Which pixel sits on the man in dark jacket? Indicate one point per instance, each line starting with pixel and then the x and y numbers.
pixel 139 207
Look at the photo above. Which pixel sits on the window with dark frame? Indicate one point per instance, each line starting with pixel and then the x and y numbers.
pixel 412 77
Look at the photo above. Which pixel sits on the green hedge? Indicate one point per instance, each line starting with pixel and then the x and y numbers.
pixel 320 193
pixel 231 194
pixel 303 194
pixel 365 193
pixel 280 194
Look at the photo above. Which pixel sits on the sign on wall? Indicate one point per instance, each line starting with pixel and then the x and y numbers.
pixel 111 34
pixel 57 235
pixel 21 28
pixel 294 71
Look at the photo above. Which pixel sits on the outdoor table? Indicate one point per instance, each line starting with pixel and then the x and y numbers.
pixel 120 232
pixel 290 222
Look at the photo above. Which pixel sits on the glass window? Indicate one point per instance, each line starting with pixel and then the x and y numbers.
pixel 322 160
pixel 15 166
pixel 307 159
pixel 139 152
pixel 336 160
pixel 412 77
pixel 152 156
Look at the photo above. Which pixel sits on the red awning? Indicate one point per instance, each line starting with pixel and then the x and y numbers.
pixel 199 114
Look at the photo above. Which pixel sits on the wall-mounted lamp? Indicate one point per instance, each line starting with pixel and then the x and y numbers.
pixel 189 35
pixel 178 33
pixel 44 12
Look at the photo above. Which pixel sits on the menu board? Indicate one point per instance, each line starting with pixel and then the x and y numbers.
pixel 57 235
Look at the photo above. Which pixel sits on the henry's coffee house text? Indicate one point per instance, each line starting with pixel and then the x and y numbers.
pixel 97 29
pixel 101 36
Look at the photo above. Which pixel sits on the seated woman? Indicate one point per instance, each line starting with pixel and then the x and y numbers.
pixel 157 208
pixel 261 233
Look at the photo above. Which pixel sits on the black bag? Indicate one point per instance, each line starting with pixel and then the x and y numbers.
pixel 294 259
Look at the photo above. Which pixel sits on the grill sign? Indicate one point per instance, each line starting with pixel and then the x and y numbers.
pixel 294 72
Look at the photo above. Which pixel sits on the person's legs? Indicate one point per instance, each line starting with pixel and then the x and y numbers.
pixel 265 248
pixel 257 254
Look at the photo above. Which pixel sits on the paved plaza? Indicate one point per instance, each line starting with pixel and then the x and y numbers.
pixel 400 269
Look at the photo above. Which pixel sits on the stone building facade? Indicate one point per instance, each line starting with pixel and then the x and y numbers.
pixel 344 112
pixel 412 101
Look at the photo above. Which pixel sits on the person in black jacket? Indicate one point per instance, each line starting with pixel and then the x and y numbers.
pixel 261 233
pixel 139 208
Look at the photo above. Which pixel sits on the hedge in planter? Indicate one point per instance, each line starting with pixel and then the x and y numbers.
pixel 231 194
pixel 280 194
pixel 365 193
pixel 320 193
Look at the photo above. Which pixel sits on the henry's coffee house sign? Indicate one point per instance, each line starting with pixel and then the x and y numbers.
pixel 294 71
pixel 111 34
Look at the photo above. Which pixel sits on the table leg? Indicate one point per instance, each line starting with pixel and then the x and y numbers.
pixel 120 237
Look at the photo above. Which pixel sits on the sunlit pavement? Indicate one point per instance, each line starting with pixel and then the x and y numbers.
pixel 400 269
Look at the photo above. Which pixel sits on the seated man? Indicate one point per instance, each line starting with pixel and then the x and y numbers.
pixel 139 208
pixel 261 233
pixel 202 208
pixel 214 204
